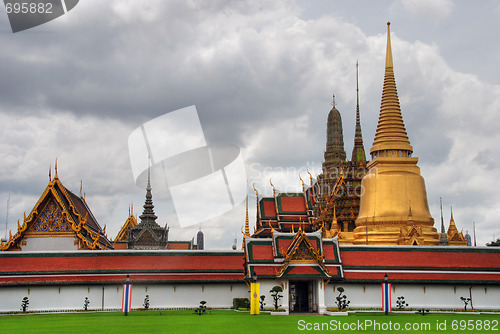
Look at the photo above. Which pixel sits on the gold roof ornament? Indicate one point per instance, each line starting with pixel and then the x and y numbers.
pixel 55 170
pixel 391 132
pixel 310 176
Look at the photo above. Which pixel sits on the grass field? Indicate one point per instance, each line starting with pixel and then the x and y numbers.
pixel 237 322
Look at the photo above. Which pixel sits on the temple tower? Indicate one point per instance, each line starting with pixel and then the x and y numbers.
pixel 393 207
pixel 358 151
pixel 148 234
pixel 335 154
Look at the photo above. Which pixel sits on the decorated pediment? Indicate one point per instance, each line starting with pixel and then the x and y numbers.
pixel 59 213
pixel 51 220
pixel 411 235
pixel 302 252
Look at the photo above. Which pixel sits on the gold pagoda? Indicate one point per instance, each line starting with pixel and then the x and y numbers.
pixel 393 206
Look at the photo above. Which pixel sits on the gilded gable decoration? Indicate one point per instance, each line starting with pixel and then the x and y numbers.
pixel 59 213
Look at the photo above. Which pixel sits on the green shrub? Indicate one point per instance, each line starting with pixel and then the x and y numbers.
pixel 241 303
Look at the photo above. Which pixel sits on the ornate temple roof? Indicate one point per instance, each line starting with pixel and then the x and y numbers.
pixel 148 234
pixel 293 255
pixel 60 213
pixel 391 132
pixel 131 222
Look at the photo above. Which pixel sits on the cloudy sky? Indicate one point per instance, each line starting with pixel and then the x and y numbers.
pixel 262 75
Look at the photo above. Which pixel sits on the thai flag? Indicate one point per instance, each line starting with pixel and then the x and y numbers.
pixel 386 297
pixel 127 297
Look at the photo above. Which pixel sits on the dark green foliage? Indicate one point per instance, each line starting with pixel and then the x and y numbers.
pixel 342 301
pixel 423 311
pixel 466 302
pixel 202 308
pixel 243 303
pixel 86 303
pixel 24 304
pixel 401 303
pixel 494 243
pixel 275 293
pixel 262 302
pixel 146 302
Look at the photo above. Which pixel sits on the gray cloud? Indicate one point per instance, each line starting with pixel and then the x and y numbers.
pixel 261 75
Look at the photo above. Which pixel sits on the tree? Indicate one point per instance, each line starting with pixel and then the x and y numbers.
pixel 275 293
pixel 262 302
pixel 401 303
pixel 146 302
pixel 494 243
pixel 202 308
pixel 24 304
pixel 86 303
pixel 342 301
pixel 466 302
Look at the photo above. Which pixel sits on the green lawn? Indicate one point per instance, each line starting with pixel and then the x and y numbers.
pixel 236 322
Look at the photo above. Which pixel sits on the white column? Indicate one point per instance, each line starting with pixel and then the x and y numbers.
pixel 320 296
pixel 286 295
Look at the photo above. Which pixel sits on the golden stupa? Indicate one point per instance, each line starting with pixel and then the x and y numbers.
pixel 393 208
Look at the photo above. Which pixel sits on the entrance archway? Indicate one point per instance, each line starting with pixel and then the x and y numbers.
pixel 301 296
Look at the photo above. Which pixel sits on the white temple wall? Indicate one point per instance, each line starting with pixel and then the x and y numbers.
pixel 265 288
pixel 432 296
pixel 71 297
pixel 45 298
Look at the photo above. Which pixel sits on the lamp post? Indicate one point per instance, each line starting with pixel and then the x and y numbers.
pixel 386 278
pixel 127 283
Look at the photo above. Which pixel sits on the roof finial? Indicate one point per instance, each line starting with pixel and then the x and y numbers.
pixel 333 101
pixel 55 169
pixel 357 86
pixel 50 173
pixel 442 221
pixel 303 184
pixel 148 186
pixel 272 185
pixel 256 192
pixel 81 187
pixel 310 175
pixel 247 222
pixel 388 56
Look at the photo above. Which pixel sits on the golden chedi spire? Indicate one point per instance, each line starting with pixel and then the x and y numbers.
pixel 391 132
pixel 393 179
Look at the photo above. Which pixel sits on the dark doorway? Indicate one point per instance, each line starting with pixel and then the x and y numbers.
pixel 300 296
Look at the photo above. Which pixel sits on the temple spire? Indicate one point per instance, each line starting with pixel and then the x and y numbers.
pixel 334 154
pixel 358 151
pixel 391 136
pixel 388 54
pixel 247 221
pixel 148 214
pixel 442 221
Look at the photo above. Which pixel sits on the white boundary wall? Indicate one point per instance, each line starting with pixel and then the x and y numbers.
pixel 184 295
pixel 432 296
pixel 71 297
